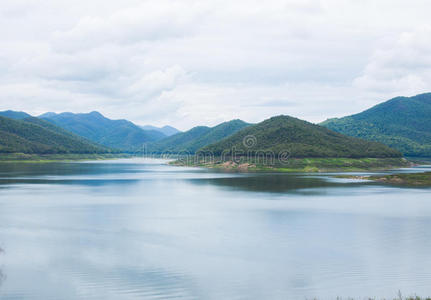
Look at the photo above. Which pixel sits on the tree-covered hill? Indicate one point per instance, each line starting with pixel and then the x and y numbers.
pixel 403 123
pixel 117 134
pixel 297 138
pixel 197 137
pixel 34 136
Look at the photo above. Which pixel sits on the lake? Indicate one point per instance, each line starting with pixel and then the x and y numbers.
pixel 141 229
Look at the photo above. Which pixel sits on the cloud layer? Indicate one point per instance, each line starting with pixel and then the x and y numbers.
pixel 193 62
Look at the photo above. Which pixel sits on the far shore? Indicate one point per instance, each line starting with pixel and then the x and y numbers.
pixel 292 165
pixel 307 165
pixel 64 157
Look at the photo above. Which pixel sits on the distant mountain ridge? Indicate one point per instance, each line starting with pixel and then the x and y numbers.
pixel 166 130
pixel 195 138
pixel 35 136
pixel 17 115
pixel 300 139
pixel 403 123
pixel 116 134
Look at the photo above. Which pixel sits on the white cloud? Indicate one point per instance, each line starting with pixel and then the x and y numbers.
pixel 400 67
pixel 150 20
pixel 158 81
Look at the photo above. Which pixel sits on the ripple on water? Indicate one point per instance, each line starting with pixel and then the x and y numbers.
pixel 131 283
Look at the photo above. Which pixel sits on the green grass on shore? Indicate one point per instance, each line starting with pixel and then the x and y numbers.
pixel 412 179
pixel 296 164
pixel 404 179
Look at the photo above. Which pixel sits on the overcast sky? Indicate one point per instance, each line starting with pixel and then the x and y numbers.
pixel 187 63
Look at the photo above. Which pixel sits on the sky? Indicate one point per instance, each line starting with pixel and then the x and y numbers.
pixel 187 63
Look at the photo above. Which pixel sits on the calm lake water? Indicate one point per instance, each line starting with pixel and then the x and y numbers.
pixel 140 229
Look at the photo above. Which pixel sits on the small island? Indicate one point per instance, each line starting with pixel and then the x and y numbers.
pixel 288 144
pixel 404 179
pixel 307 165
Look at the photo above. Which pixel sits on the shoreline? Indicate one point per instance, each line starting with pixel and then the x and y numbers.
pixel 51 158
pixel 302 165
pixel 422 179
pixel 294 165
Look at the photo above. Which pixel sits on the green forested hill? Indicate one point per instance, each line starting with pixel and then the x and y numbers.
pixel 299 139
pixel 402 123
pixel 117 134
pixel 34 136
pixel 196 138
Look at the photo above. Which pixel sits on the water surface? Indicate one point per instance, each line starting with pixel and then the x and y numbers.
pixel 140 229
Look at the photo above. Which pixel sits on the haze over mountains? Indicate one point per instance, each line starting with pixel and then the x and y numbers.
pixel 403 123
pixel 166 130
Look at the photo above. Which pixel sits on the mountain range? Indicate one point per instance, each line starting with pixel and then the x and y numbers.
pixel 116 134
pixel 403 123
pixel 91 128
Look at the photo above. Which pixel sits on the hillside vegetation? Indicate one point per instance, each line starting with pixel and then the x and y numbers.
pixel 297 139
pixel 33 136
pixel 402 123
